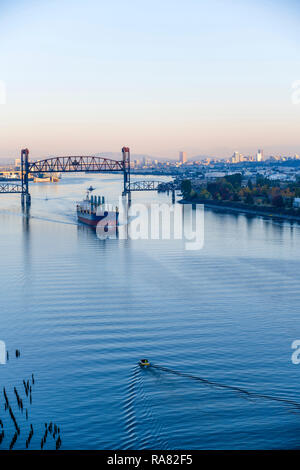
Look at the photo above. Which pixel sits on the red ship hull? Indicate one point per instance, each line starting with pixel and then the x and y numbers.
pixel 91 222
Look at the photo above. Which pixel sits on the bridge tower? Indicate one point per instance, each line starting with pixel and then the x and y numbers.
pixel 24 177
pixel 126 172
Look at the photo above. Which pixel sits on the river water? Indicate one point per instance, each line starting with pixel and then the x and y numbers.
pixel 83 311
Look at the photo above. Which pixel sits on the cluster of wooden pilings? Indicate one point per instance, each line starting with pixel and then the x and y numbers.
pixel 51 430
pixel 24 400
pixel 2 431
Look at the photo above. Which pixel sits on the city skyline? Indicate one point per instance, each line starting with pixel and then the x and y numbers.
pixel 182 158
pixel 155 78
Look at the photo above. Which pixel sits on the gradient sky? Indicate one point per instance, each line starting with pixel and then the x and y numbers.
pixel 208 77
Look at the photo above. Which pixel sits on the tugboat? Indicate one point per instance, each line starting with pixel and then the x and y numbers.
pixel 144 363
pixel 93 210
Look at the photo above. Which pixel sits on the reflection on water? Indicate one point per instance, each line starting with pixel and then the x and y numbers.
pixel 83 311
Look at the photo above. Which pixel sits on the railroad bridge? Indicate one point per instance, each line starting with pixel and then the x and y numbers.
pixel 147 185
pixel 74 164
pixel 10 188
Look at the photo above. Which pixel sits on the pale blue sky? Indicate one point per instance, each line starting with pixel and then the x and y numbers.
pixel 209 77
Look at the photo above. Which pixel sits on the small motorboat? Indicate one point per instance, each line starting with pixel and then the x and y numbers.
pixel 144 363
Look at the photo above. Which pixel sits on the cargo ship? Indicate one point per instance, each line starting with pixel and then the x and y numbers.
pixel 93 210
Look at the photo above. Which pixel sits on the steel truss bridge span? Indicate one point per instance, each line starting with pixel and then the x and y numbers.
pixel 10 188
pixel 147 185
pixel 75 164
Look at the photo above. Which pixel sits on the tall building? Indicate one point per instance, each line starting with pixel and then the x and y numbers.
pixel 236 157
pixel 260 156
pixel 182 157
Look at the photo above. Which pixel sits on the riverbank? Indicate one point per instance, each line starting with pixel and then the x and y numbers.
pixel 288 214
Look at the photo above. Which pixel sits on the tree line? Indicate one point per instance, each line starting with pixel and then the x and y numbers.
pixel 263 192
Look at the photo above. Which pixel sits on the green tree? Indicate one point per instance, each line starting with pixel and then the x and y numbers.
pixel 204 194
pixel 193 194
pixel 249 199
pixel 186 188
pixel 235 180
pixel 278 201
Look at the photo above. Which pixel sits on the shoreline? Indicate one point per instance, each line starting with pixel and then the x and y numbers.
pixel 246 210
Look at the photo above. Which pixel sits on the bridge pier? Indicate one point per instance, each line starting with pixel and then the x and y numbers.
pixel 126 173
pixel 128 194
pixel 25 198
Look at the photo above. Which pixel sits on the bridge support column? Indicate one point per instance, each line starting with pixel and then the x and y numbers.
pixel 25 198
pixel 173 196
pixel 126 172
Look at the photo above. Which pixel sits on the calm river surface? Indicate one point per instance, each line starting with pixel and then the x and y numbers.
pixel 83 311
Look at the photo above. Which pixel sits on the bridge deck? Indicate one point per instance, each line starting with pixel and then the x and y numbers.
pixel 147 185
pixel 10 188
pixel 75 164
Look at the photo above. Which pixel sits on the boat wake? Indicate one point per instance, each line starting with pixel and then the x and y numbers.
pixel 130 412
pixel 142 427
pixel 243 392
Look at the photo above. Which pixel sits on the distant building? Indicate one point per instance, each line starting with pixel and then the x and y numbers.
pixel 182 157
pixel 212 175
pixel 296 202
pixel 260 156
pixel 237 157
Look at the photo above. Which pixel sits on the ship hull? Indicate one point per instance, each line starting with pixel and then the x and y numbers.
pixel 91 223
pixel 92 220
